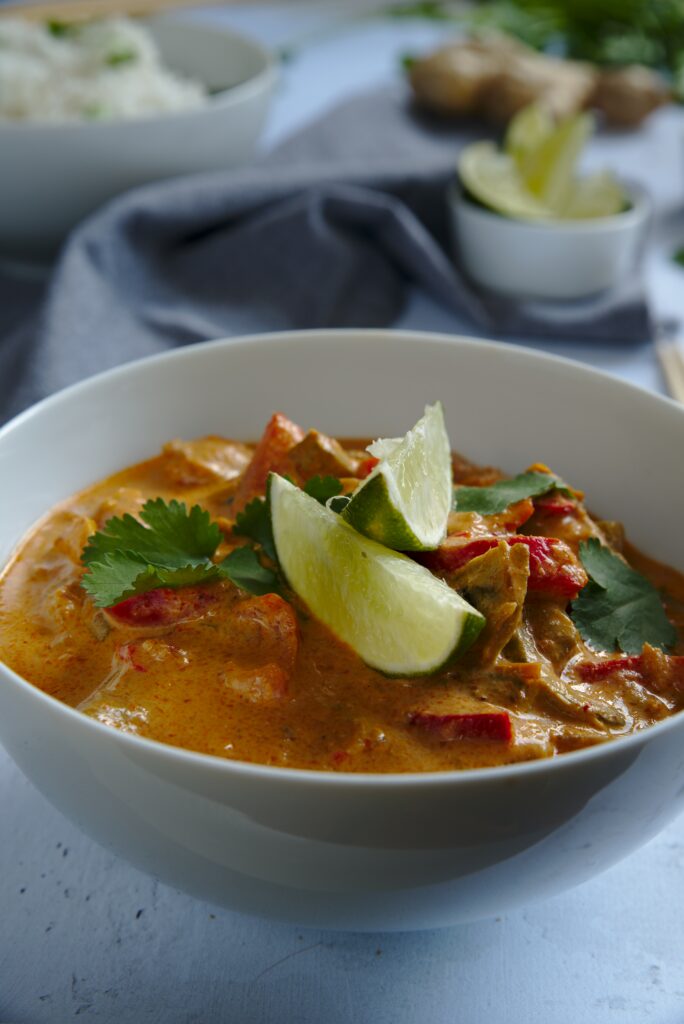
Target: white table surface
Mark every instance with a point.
(84, 935)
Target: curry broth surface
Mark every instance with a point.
(210, 684)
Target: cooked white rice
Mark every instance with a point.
(100, 70)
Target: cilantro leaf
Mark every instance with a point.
(173, 538)
(244, 569)
(170, 548)
(497, 498)
(255, 522)
(121, 574)
(619, 608)
(323, 487)
(115, 578)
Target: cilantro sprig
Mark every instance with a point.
(255, 519)
(255, 522)
(619, 608)
(323, 487)
(169, 547)
(499, 496)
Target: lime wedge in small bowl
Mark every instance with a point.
(597, 195)
(527, 131)
(397, 616)
(550, 168)
(534, 177)
(492, 178)
(405, 502)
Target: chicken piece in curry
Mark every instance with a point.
(256, 677)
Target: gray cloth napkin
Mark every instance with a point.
(332, 229)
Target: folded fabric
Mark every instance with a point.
(332, 229)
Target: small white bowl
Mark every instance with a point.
(552, 259)
(52, 175)
(327, 848)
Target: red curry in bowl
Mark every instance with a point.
(215, 669)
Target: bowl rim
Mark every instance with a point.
(307, 776)
(639, 211)
(223, 99)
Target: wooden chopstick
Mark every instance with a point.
(671, 357)
(86, 10)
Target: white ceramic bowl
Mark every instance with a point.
(329, 849)
(553, 259)
(52, 175)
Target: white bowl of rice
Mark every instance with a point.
(89, 111)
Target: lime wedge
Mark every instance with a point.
(527, 131)
(397, 616)
(599, 195)
(405, 502)
(493, 179)
(383, 447)
(534, 178)
(550, 169)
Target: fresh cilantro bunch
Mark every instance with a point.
(171, 547)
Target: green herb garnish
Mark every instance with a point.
(243, 568)
(606, 32)
(119, 57)
(678, 256)
(619, 608)
(60, 29)
(435, 10)
(255, 522)
(323, 487)
(499, 496)
(171, 547)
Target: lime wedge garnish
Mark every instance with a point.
(397, 616)
(493, 179)
(550, 169)
(405, 502)
(599, 195)
(527, 131)
(383, 447)
(534, 178)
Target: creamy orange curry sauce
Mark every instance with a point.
(257, 678)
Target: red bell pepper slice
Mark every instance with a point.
(517, 514)
(495, 725)
(667, 668)
(554, 570)
(366, 467)
(555, 505)
(270, 455)
(594, 671)
(163, 606)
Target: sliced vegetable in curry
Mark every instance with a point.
(179, 601)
